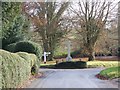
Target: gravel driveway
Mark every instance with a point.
(71, 78)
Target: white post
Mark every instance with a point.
(45, 57)
(69, 58)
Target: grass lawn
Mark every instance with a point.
(90, 64)
(93, 64)
(111, 73)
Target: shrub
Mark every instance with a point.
(16, 68)
(34, 63)
(79, 53)
(60, 55)
(13, 33)
(71, 65)
(76, 53)
(29, 47)
(10, 47)
(119, 51)
(0, 72)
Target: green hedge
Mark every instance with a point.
(71, 65)
(16, 68)
(10, 47)
(0, 72)
(28, 46)
(34, 63)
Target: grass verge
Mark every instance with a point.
(94, 64)
(109, 73)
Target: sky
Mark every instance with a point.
(53, 0)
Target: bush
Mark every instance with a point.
(71, 65)
(10, 47)
(13, 33)
(29, 47)
(0, 72)
(60, 55)
(16, 68)
(119, 51)
(76, 53)
(35, 63)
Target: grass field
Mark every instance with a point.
(111, 73)
(93, 64)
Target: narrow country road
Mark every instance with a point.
(71, 78)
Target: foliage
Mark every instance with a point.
(94, 64)
(71, 65)
(29, 47)
(34, 63)
(13, 33)
(91, 22)
(0, 72)
(60, 55)
(16, 68)
(111, 73)
(119, 51)
(48, 22)
(10, 47)
(12, 23)
(8, 17)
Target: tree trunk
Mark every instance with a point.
(91, 53)
(119, 28)
(50, 57)
(91, 56)
(51, 48)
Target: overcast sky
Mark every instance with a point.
(54, 0)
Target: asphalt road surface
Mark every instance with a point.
(71, 78)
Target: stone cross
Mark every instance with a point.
(69, 58)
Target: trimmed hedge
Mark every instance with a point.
(16, 68)
(29, 47)
(0, 72)
(34, 63)
(10, 47)
(71, 65)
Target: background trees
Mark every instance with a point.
(119, 27)
(50, 22)
(90, 21)
(47, 20)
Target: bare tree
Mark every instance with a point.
(119, 27)
(90, 21)
(47, 20)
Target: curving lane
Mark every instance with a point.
(71, 78)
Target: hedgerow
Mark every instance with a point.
(16, 68)
(0, 72)
(29, 47)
